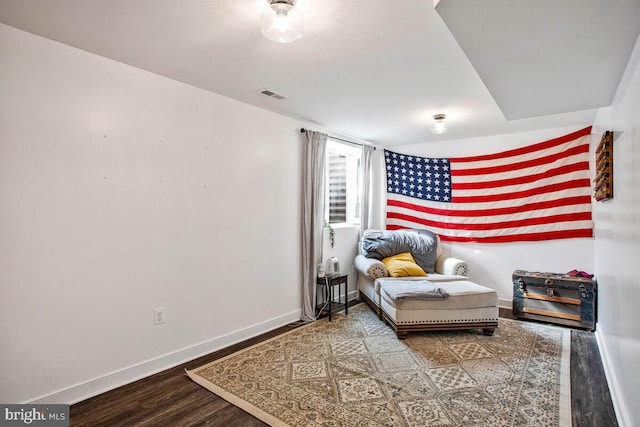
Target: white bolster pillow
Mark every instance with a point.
(370, 267)
(450, 265)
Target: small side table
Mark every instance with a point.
(330, 281)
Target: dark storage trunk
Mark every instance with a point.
(555, 298)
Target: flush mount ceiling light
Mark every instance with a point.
(439, 126)
(281, 22)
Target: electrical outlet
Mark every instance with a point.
(159, 315)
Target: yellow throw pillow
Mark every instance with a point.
(403, 265)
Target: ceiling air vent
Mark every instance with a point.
(272, 94)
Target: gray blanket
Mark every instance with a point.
(412, 289)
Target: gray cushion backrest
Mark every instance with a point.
(422, 244)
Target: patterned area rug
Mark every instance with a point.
(353, 371)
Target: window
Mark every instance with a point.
(343, 183)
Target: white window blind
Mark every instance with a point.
(343, 183)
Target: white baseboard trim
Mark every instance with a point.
(505, 303)
(609, 373)
(86, 389)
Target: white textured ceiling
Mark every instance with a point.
(375, 70)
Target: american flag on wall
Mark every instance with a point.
(537, 192)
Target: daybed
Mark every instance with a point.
(406, 279)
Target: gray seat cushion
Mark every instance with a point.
(463, 294)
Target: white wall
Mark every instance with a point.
(345, 249)
(492, 264)
(617, 248)
(122, 191)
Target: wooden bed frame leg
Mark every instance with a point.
(402, 334)
(488, 331)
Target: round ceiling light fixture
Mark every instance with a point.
(439, 126)
(282, 22)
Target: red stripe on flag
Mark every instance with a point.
(567, 201)
(521, 179)
(524, 237)
(584, 148)
(528, 149)
(574, 183)
(578, 216)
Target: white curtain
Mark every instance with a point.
(313, 196)
(367, 180)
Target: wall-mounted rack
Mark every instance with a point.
(603, 182)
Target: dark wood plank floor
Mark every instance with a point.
(589, 390)
(170, 398)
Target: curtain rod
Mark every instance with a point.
(303, 130)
